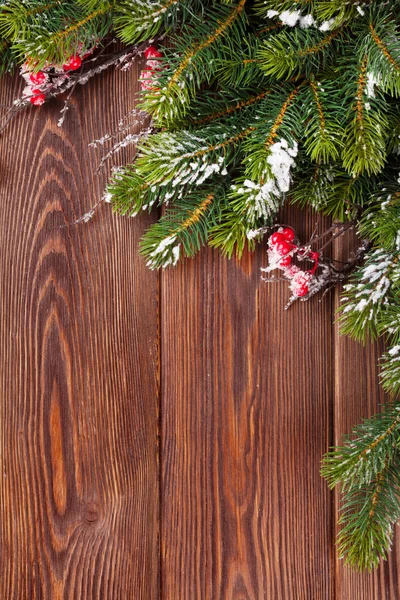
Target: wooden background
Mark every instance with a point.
(161, 433)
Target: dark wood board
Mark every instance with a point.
(79, 364)
(247, 398)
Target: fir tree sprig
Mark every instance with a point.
(373, 288)
(138, 21)
(183, 229)
(192, 63)
(367, 469)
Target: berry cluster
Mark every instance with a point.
(153, 64)
(282, 247)
(40, 83)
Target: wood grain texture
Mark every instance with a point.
(246, 416)
(358, 395)
(79, 364)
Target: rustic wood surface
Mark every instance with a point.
(79, 365)
(160, 434)
(246, 416)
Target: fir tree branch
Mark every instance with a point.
(281, 116)
(367, 519)
(364, 143)
(323, 136)
(369, 294)
(258, 146)
(59, 35)
(222, 26)
(138, 21)
(169, 100)
(14, 16)
(183, 229)
(383, 48)
(367, 470)
(231, 109)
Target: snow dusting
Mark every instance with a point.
(263, 199)
(372, 81)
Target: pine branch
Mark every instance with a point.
(182, 230)
(364, 142)
(232, 234)
(323, 136)
(138, 21)
(6, 59)
(367, 470)
(293, 53)
(16, 16)
(282, 120)
(56, 31)
(177, 85)
(384, 51)
(368, 517)
(225, 109)
(381, 221)
(369, 294)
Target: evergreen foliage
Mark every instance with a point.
(367, 468)
(255, 100)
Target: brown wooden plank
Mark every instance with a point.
(358, 395)
(246, 417)
(79, 351)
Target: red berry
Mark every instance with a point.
(152, 52)
(285, 262)
(288, 234)
(153, 64)
(37, 100)
(146, 79)
(73, 64)
(38, 78)
(276, 238)
(315, 257)
(302, 291)
(301, 278)
(291, 271)
(283, 247)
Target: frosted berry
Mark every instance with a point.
(38, 78)
(146, 79)
(285, 262)
(153, 64)
(152, 52)
(37, 100)
(276, 238)
(301, 278)
(288, 234)
(73, 64)
(302, 291)
(283, 247)
(291, 271)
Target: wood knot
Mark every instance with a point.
(92, 513)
